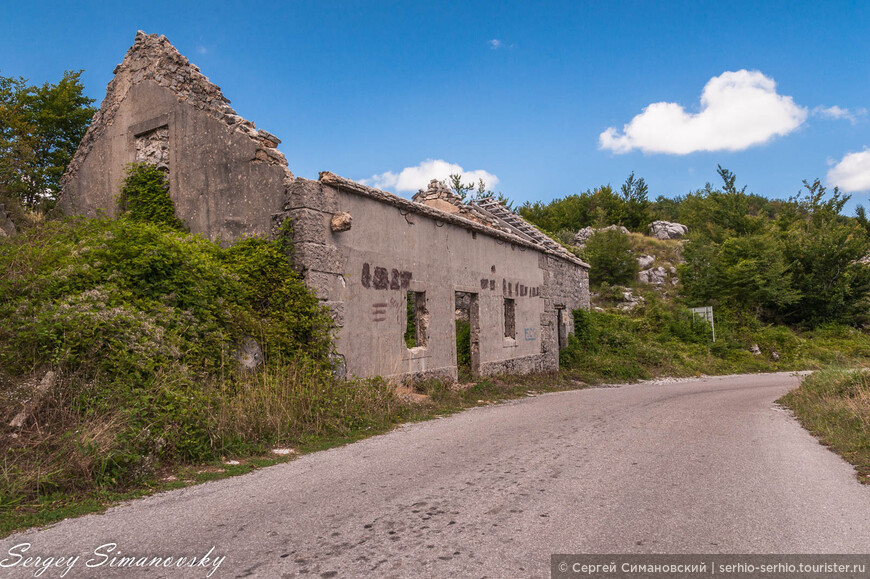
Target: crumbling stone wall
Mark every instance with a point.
(227, 177)
(153, 148)
(567, 288)
(361, 250)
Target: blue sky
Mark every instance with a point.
(545, 99)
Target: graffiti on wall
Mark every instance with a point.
(380, 278)
(518, 290)
(381, 310)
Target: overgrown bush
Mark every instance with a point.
(142, 324)
(661, 338)
(463, 349)
(145, 196)
(601, 207)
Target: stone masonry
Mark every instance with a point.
(153, 148)
(366, 253)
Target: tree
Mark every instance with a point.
(723, 213)
(40, 129)
(824, 248)
(801, 268)
(598, 208)
(454, 182)
(635, 211)
(745, 272)
(469, 192)
(609, 255)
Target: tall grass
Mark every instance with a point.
(834, 405)
(291, 402)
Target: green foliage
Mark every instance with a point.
(464, 190)
(749, 271)
(794, 262)
(471, 192)
(662, 339)
(142, 322)
(574, 212)
(585, 331)
(666, 209)
(824, 248)
(609, 254)
(597, 208)
(145, 196)
(141, 295)
(800, 268)
(718, 213)
(40, 129)
(634, 213)
(463, 349)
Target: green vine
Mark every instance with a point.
(145, 196)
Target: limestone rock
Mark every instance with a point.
(39, 392)
(582, 236)
(630, 301)
(7, 227)
(645, 261)
(341, 222)
(250, 354)
(667, 230)
(755, 349)
(653, 276)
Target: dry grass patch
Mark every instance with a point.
(834, 405)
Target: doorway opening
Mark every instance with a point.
(560, 328)
(467, 335)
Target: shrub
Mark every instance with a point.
(142, 323)
(609, 255)
(463, 346)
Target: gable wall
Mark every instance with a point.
(219, 186)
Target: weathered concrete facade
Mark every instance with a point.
(395, 246)
(365, 252)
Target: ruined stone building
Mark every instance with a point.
(368, 254)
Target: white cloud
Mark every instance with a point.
(411, 179)
(201, 49)
(852, 173)
(495, 44)
(838, 113)
(738, 110)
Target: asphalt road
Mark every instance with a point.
(702, 466)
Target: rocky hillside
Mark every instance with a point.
(656, 254)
